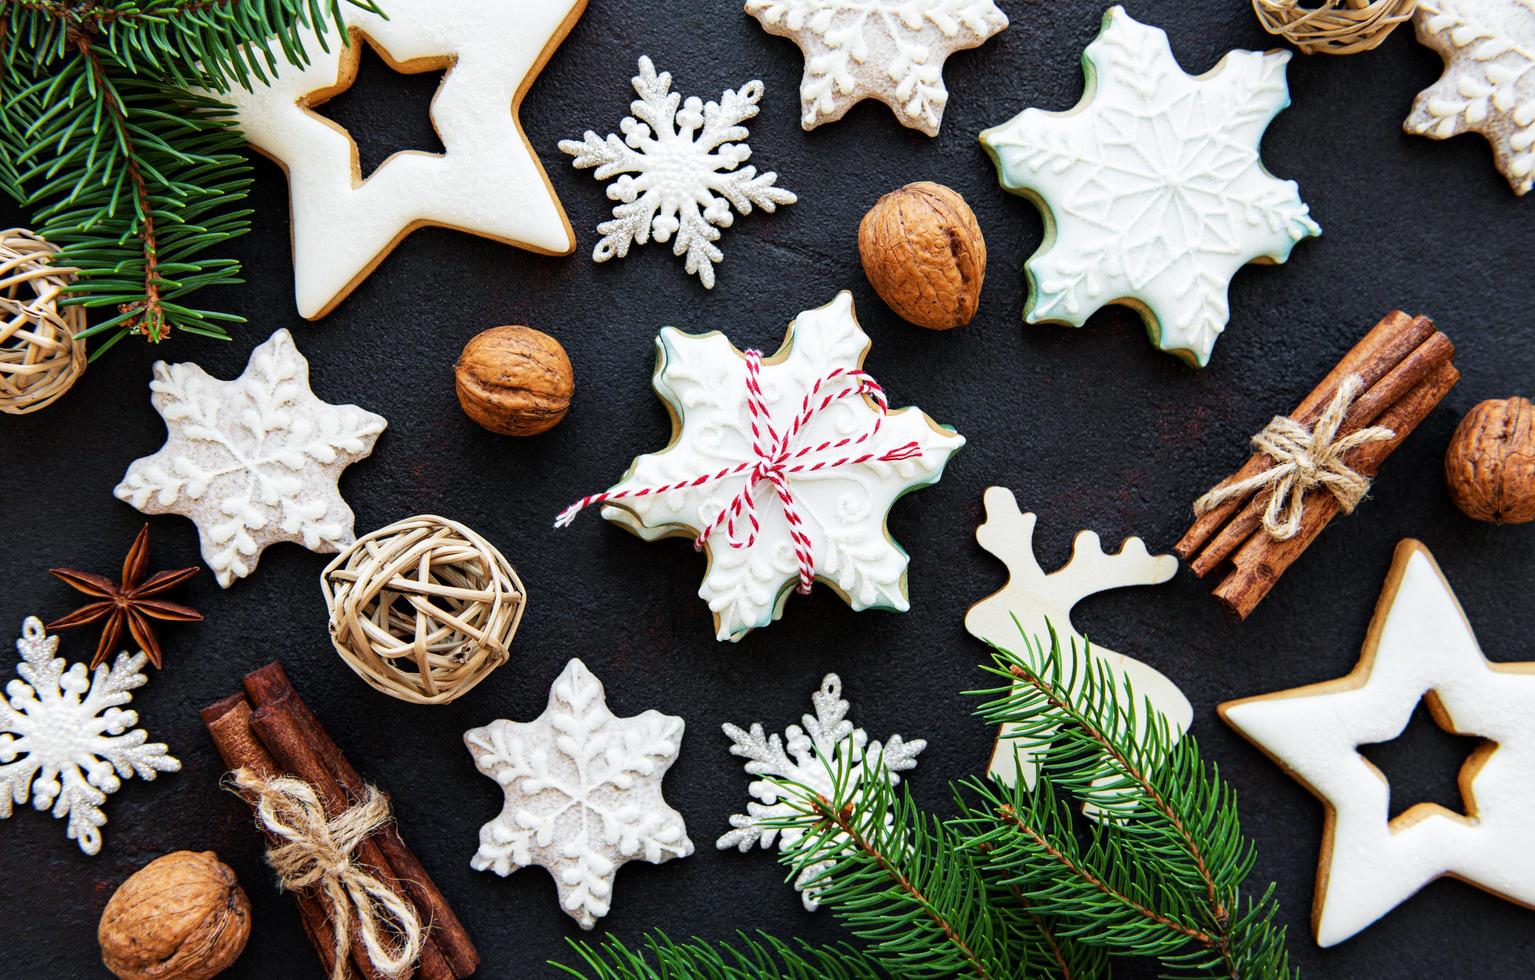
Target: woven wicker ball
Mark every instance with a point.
(1333, 26)
(423, 610)
(41, 353)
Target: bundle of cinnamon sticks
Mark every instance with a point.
(269, 730)
(1405, 366)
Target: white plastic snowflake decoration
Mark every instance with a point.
(252, 461)
(686, 168)
(1153, 186)
(583, 793)
(890, 50)
(1488, 85)
(807, 757)
(65, 743)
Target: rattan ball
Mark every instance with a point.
(423, 610)
(41, 353)
(1333, 26)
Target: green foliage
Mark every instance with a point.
(123, 165)
(749, 958)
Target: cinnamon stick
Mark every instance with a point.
(270, 686)
(1262, 560)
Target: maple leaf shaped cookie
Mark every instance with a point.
(1488, 85)
(890, 50)
(1153, 191)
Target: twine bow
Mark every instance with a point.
(318, 853)
(1303, 460)
(775, 459)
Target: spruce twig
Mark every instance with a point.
(747, 957)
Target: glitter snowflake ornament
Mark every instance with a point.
(808, 432)
(1152, 187)
(807, 757)
(1488, 85)
(890, 50)
(680, 171)
(583, 793)
(65, 741)
(252, 461)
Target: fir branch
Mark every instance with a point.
(762, 957)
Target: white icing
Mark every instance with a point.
(1422, 644)
(252, 461)
(1153, 188)
(703, 378)
(487, 181)
(890, 50)
(583, 793)
(1041, 601)
(1488, 85)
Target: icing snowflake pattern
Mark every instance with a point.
(65, 741)
(1153, 187)
(703, 378)
(806, 756)
(252, 461)
(583, 793)
(890, 50)
(679, 172)
(1488, 85)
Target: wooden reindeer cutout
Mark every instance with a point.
(1040, 601)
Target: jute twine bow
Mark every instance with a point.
(318, 853)
(1303, 460)
(1333, 26)
(775, 460)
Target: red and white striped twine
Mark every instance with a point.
(776, 460)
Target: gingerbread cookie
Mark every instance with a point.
(1419, 646)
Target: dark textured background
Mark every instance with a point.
(1092, 428)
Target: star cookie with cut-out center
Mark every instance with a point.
(486, 182)
(1420, 647)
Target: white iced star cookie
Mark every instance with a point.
(486, 182)
(253, 461)
(1488, 85)
(1420, 646)
(1152, 189)
(583, 793)
(783, 468)
(890, 50)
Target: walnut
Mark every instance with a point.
(514, 380)
(923, 252)
(1490, 465)
(180, 917)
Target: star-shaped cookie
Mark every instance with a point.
(1420, 647)
(583, 793)
(1488, 86)
(486, 182)
(1153, 191)
(252, 461)
(890, 50)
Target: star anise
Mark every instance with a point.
(130, 603)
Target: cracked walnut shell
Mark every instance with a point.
(180, 917)
(924, 254)
(514, 380)
(1490, 465)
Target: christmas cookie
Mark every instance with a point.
(890, 50)
(583, 793)
(1419, 647)
(1152, 188)
(486, 182)
(783, 468)
(1488, 85)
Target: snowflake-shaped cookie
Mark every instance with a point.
(252, 461)
(66, 751)
(843, 469)
(686, 168)
(1488, 85)
(806, 757)
(1153, 191)
(583, 793)
(890, 50)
